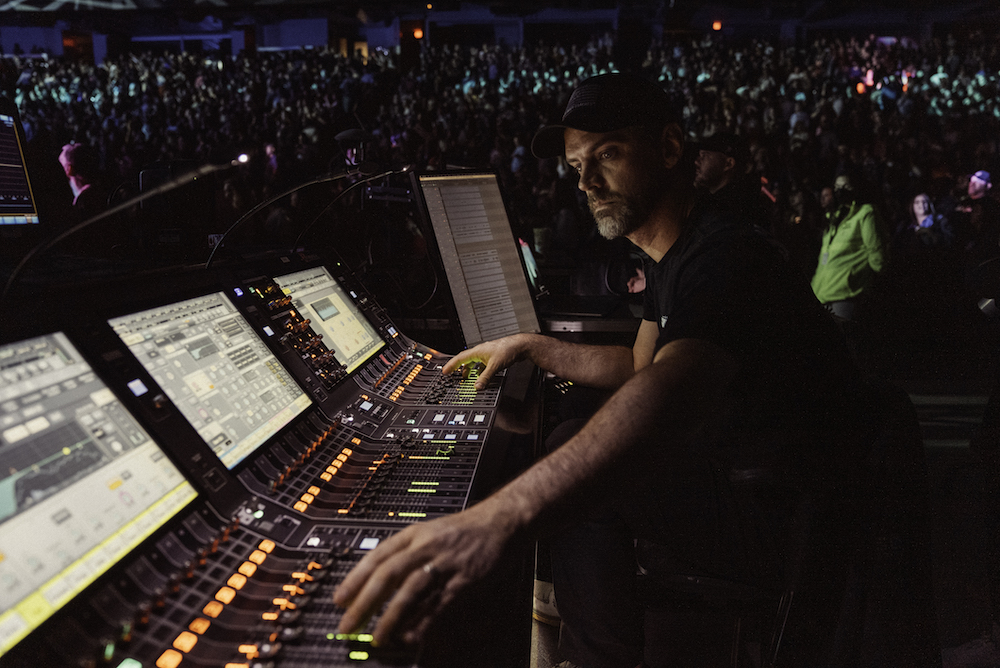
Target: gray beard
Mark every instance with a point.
(623, 217)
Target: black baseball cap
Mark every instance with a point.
(727, 143)
(605, 103)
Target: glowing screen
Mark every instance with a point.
(212, 365)
(81, 483)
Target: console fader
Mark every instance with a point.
(352, 433)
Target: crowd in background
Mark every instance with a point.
(904, 119)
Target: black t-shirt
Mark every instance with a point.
(727, 282)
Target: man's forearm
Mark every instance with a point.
(606, 367)
(658, 408)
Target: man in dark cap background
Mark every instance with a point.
(721, 170)
(735, 366)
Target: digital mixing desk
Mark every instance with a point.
(189, 465)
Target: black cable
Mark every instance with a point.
(326, 178)
(339, 196)
(141, 197)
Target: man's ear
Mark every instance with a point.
(672, 141)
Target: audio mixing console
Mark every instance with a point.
(187, 472)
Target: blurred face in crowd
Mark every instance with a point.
(977, 187)
(622, 173)
(921, 207)
(711, 170)
(826, 198)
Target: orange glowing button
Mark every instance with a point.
(267, 545)
(341, 458)
(356, 441)
(257, 557)
(199, 625)
(225, 595)
(300, 506)
(313, 490)
(343, 511)
(313, 566)
(236, 581)
(326, 476)
(308, 498)
(185, 642)
(293, 590)
(302, 577)
(212, 609)
(237, 665)
(250, 651)
(269, 616)
(169, 659)
(248, 568)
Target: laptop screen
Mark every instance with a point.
(481, 257)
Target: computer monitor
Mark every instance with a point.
(333, 315)
(218, 372)
(17, 203)
(481, 257)
(81, 482)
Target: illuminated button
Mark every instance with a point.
(450, 437)
(293, 589)
(236, 581)
(237, 665)
(308, 498)
(225, 595)
(355, 441)
(169, 659)
(199, 625)
(479, 418)
(438, 418)
(250, 651)
(313, 566)
(283, 603)
(313, 490)
(185, 642)
(327, 476)
(302, 577)
(472, 437)
(301, 506)
(257, 557)
(358, 655)
(269, 616)
(212, 609)
(460, 418)
(267, 545)
(341, 458)
(248, 568)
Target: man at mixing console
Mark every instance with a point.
(735, 366)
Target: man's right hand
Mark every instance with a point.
(495, 355)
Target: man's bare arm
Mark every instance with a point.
(423, 567)
(606, 367)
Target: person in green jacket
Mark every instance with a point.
(852, 252)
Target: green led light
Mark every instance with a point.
(129, 663)
(358, 656)
(259, 514)
(365, 637)
(109, 651)
(418, 482)
(331, 636)
(411, 514)
(421, 491)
